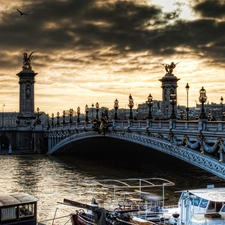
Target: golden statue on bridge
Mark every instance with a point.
(27, 61)
(169, 67)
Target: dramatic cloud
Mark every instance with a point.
(88, 51)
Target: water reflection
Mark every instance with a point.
(53, 178)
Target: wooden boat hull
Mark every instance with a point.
(82, 218)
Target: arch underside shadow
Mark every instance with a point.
(195, 158)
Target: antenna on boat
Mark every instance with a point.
(54, 216)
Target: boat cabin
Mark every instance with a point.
(206, 204)
(19, 209)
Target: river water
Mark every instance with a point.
(53, 178)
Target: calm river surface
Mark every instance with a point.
(53, 178)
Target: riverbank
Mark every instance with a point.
(16, 152)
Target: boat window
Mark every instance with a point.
(8, 213)
(196, 201)
(204, 203)
(184, 195)
(26, 210)
(222, 209)
(212, 205)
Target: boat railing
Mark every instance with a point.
(170, 206)
(116, 186)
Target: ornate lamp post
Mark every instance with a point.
(3, 105)
(116, 106)
(64, 114)
(173, 101)
(38, 121)
(48, 121)
(86, 111)
(131, 105)
(92, 109)
(221, 100)
(78, 114)
(52, 119)
(97, 109)
(222, 112)
(57, 118)
(202, 100)
(187, 109)
(149, 104)
(71, 113)
(38, 110)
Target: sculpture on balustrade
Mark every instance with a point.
(202, 144)
(102, 125)
(174, 140)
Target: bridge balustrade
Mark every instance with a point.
(160, 124)
(215, 126)
(192, 125)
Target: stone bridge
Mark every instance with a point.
(201, 143)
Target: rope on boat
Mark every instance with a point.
(68, 220)
(53, 219)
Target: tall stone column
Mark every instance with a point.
(169, 85)
(26, 101)
(29, 135)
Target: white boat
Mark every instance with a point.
(205, 206)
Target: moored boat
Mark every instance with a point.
(19, 209)
(201, 207)
(103, 218)
(137, 204)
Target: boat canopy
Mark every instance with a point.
(131, 183)
(211, 194)
(16, 199)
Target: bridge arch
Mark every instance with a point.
(188, 155)
(198, 159)
(55, 138)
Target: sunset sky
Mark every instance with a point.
(89, 51)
